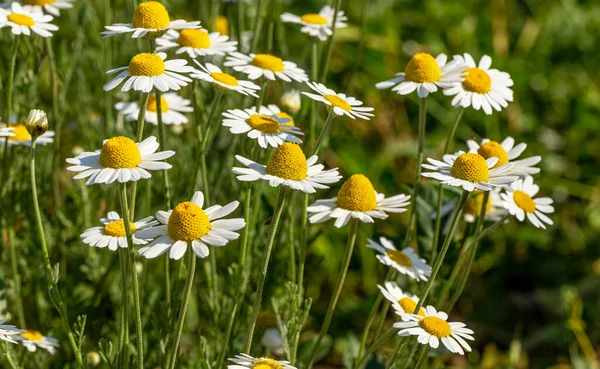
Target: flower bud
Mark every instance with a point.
(291, 101)
(93, 358)
(36, 123)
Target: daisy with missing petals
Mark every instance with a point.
(188, 225)
(357, 199)
(507, 152)
(339, 103)
(172, 107)
(34, 340)
(406, 261)
(120, 159)
(18, 136)
(244, 361)
(493, 209)
(288, 166)
(112, 233)
(318, 25)
(146, 71)
(265, 65)
(226, 82)
(24, 20)
(10, 333)
(50, 6)
(196, 42)
(402, 302)
(519, 201)
(150, 19)
(425, 74)
(433, 328)
(482, 87)
(268, 130)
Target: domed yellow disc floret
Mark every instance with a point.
(409, 305)
(357, 194)
(146, 64)
(491, 149)
(116, 228)
(188, 222)
(435, 326)
(32, 335)
(338, 101)
(21, 19)
(473, 205)
(269, 62)
(399, 257)
(286, 116)
(470, 167)
(195, 38)
(120, 152)
(20, 133)
(222, 25)
(37, 2)
(477, 80)
(524, 201)
(151, 15)
(263, 123)
(164, 105)
(225, 78)
(422, 68)
(313, 19)
(266, 363)
(288, 162)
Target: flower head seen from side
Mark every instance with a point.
(273, 109)
(25, 20)
(339, 103)
(288, 166)
(223, 81)
(433, 328)
(357, 199)
(36, 123)
(493, 209)
(244, 361)
(406, 261)
(34, 340)
(10, 333)
(265, 65)
(120, 159)
(50, 6)
(402, 302)
(19, 136)
(150, 19)
(507, 152)
(520, 201)
(425, 74)
(112, 232)
(482, 87)
(188, 225)
(172, 107)
(196, 42)
(147, 71)
(291, 101)
(318, 25)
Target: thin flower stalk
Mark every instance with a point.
(9, 97)
(56, 117)
(327, 57)
(423, 357)
(162, 142)
(140, 138)
(9, 357)
(124, 319)
(208, 124)
(325, 131)
(257, 28)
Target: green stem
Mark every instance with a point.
(16, 277)
(139, 137)
(377, 344)
(423, 357)
(396, 354)
(9, 358)
(240, 24)
(261, 96)
(312, 123)
(208, 124)
(124, 320)
(329, 48)
(303, 241)
(258, 21)
(163, 145)
(57, 120)
(11, 77)
(458, 266)
(325, 131)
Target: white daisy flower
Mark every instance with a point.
(34, 339)
(6, 131)
(267, 129)
(189, 225)
(357, 199)
(172, 107)
(273, 109)
(493, 209)
(10, 333)
(265, 65)
(318, 25)
(50, 6)
(470, 171)
(406, 261)
(482, 87)
(291, 101)
(112, 233)
(402, 302)
(196, 42)
(150, 19)
(120, 159)
(213, 74)
(519, 201)
(340, 103)
(507, 152)
(24, 19)
(425, 74)
(243, 361)
(18, 136)
(288, 166)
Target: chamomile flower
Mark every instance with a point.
(18, 136)
(244, 361)
(470, 171)
(291, 101)
(196, 42)
(267, 129)
(519, 201)
(50, 6)
(120, 159)
(288, 166)
(7, 131)
(433, 328)
(34, 340)
(339, 103)
(25, 19)
(402, 302)
(318, 25)
(406, 261)
(265, 65)
(146, 71)
(357, 199)
(226, 82)
(188, 225)
(493, 209)
(482, 87)
(172, 107)
(150, 19)
(425, 74)
(273, 109)
(10, 333)
(112, 232)
(507, 152)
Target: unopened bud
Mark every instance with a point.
(93, 358)
(291, 101)
(36, 123)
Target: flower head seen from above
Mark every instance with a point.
(482, 87)
(150, 19)
(10, 333)
(402, 302)
(172, 107)
(146, 71)
(288, 166)
(506, 152)
(265, 65)
(50, 6)
(196, 42)
(406, 261)
(291, 101)
(318, 25)
(112, 232)
(357, 199)
(273, 109)
(34, 340)
(120, 159)
(519, 201)
(433, 328)
(19, 136)
(339, 103)
(493, 208)
(188, 225)
(25, 19)
(244, 361)
(223, 81)
(425, 74)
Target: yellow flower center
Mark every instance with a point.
(524, 201)
(313, 19)
(263, 123)
(435, 326)
(409, 305)
(32, 335)
(399, 257)
(117, 228)
(225, 78)
(36, 2)
(338, 101)
(151, 15)
(222, 25)
(477, 81)
(146, 64)
(21, 19)
(357, 194)
(286, 116)
(269, 62)
(473, 205)
(120, 152)
(195, 38)
(470, 167)
(266, 363)
(422, 67)
(20, 133)
(188, 222)
(164, 105)
(288, 162)
(491, 149)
